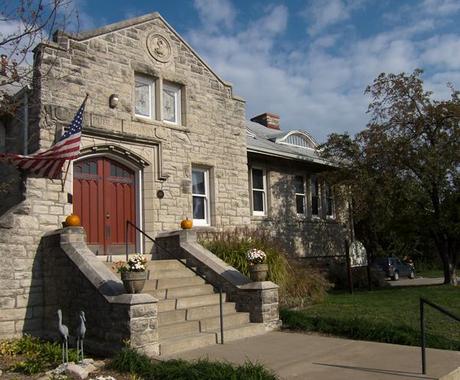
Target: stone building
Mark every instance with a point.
(164, 138)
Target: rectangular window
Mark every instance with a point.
(314, 189)
(171, 103)
(299, 184)
(329, 200)
(200, 195)
(259, 198)
(144, 97)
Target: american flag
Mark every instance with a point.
(49, 162)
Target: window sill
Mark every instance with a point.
(159, 123)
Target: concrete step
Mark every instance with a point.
(169, 283)
(157, 274)
(201, 300)
(192, 290)
(166, 305)
(230, 321)
(194, 313)
(184, 343)
(204, 311)
(186, 291)
(245, 331)
(183, 328)
(164, 264)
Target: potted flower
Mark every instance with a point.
(133, 273)
(258, 269)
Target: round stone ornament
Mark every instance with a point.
(159, 47)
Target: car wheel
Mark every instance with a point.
(412, 275)
(396, 276)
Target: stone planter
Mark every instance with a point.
(258, 272)
(133, 281)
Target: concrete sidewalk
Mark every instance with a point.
(304, 356)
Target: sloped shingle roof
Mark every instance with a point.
(261, 139)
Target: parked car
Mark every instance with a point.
(393, 267)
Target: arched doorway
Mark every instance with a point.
(104, 196)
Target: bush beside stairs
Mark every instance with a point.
(189, 309)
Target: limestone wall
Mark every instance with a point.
(21, 276)
(301, 235)
(212, 133)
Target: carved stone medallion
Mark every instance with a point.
(159, 47)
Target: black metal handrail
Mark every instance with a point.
(424, 301)
(183, 262)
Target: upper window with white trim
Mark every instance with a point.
(200, 195)
(259, 192)
(315, 196)
(329, 200)
(144, 97)
(171, 103)
(299, 185)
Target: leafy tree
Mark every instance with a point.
(404, 169)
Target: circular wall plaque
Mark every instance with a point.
(159, 47)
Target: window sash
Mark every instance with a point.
(200, 200)
(173, 92)
(299, 187)
(146, 110)
(329, 200)
(259, 193)
(315, 196)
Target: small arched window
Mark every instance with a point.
(298, 138)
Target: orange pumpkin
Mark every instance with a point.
(73, 220)
(186, 224)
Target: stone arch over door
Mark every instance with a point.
(106, 193)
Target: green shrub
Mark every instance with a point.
(38, 355)
(128, 360)
(299, 283)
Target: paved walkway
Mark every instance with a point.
(304, 356)
(418, 281)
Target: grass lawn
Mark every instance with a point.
(388, 315)
(431, 273)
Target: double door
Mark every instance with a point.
(104, 196)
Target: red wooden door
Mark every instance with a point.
(104, 198)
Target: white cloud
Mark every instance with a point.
(318, 85)
(215, 13)
(322, 14)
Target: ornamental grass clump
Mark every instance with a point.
(136, 263)
(299, 284)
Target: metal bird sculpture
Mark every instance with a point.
(81, 330)
(64, 331)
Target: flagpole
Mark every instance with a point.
(68, 165)
(65, 176)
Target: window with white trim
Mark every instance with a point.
(200, 196)
(315, 196)
(329, 200)
(259, 192)
(171, 103)
(144, 97)
(299, 185)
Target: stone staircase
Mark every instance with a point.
(189, 309)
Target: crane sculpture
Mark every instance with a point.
(64, 331)
(81, 330)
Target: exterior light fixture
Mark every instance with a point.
(113, 100)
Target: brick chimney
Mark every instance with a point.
(269, 120)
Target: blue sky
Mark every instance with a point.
(308, 60)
